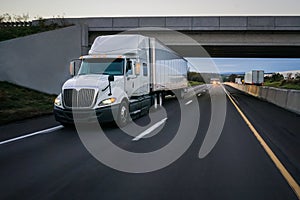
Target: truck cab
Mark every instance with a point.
(102, 90)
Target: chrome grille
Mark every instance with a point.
(70, 97)
(83, 98)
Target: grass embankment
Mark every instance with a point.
(285, 84)
(195, 83)
(19, 103)
(7, 33)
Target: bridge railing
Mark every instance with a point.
(15, 24)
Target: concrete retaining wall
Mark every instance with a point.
(252, 89)
(288, 99)
(271, 95)
(263, 92)
(281, 98)
(293, 100)
(40, 61)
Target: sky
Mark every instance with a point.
(121, 8)
(241, 65)
(105, 8)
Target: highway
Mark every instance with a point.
(57, 165)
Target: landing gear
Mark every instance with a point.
(158, 100)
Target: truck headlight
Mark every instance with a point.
(107, 101)
(57, 101)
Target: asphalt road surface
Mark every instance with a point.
(57, 165)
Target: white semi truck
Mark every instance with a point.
(254, 77)
(122, 76)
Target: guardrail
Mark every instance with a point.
(288, 99)
(15, 24)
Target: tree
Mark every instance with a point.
(6, 17)
(195, 76)
(276, 77)
(14, 18)
(232, 77)
(297, 76)
(289, 76)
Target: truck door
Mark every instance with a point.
(137, 78)
(142, 79)
(130, 78)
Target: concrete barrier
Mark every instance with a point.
(288, 99)
(253, 90)
(271, 95)
(281, 97)
(240, 86)
(263, 92)
(293, 101)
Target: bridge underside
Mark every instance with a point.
(238, 44)
(239, 51)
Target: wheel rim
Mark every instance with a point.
(123, 114)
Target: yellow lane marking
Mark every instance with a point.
(291, 181)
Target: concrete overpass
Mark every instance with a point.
(240, 36)
(41, 61)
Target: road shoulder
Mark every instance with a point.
(27, 126)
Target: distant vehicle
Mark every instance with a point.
(123, 74)
(214, 81)
(238, 80)
(254, 77)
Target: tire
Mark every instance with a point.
(123, 114)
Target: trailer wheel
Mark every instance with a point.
(123, 114)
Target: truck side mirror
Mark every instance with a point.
(72, 68)
(111, 78)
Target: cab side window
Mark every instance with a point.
(129, 68)
(145, 69)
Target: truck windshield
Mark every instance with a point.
(109, 66)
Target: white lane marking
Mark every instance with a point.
(187, 103)
(234, 99)
(150, 129)
(230, 95)
(32, 134)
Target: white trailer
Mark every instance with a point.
(122, 75)
(254, 77)
(238, 80)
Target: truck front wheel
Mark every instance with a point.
(123, 114)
